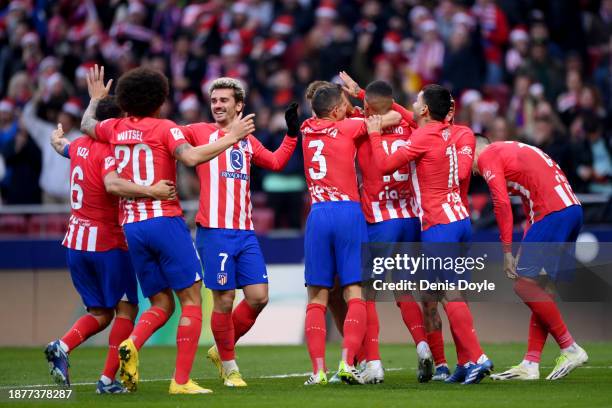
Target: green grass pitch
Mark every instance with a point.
(274, 375)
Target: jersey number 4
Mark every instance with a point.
(124, 155)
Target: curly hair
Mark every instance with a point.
(108, 108)
(313, 87)
(141, 91)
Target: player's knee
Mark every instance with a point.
(163, 300)
(103, 315)
(223, 301)
(258, 303)
(127, 310)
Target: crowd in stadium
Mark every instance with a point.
(530, 70)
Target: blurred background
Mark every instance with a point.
(530, 70)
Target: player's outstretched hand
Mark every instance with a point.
(350, 85)
(163, 190)
(242, 127)
(510, 266)
(374, 124)
(95, 83)
(292, 120)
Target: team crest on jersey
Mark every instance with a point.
(488, 175)
(244, 143)
(108, 162)
(222, 278)
(237, 159)
(446, 134)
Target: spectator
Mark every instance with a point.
(55, 175)
(494, 34)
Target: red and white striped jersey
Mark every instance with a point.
(94, 220)
(144, 150)
(431, 153)
(520, 169)
(329, 158)
(466, 145)
(386, 196)
(225, 192)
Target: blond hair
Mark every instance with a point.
(229, 83)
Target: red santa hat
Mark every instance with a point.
(72, 107)
(229, 49)
(53, 79)
(391, 42)
(519, 33)
(274, 47)
(283, 25)
(327, 9)
(30, 38)
(470, 96)
(83, 69)
(189, 102)
(7, 105)
(47, 63)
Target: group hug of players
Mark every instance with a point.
(126, 226)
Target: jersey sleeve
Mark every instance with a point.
(104, 130)
(106, 160)
(493, 173)
(189, 133)
(414, 148)
(275, 160)
(173, 137)
(465, 153)
(406, 114)
(354, 127)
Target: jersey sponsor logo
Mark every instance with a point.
(333, 132)
(222, 278)
(236, 159)
(83, 152)
(235, 175)
(109, 162)
(467, 150)
(177, 134)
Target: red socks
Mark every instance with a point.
(315, 331)
(462, 327)
(436, 344)
(120, 331)
(82, 329)
(413, 319)
(223, 330)
(149, 322)
(370, 340)
(546, 310)
(354, 329)
(536, 340)
(244, 317)
(187, 337)
(463, 354)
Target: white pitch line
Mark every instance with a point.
(277, 376)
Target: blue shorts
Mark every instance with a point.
(163, 254)
(557, 260)
(232, 258)
(455, 234)
(103, 278)
(396, 230)
(335, 232)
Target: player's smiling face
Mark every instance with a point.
(224, 106)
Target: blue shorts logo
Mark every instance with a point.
(237, 159)
(222, 278)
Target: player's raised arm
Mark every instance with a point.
(278, 159)
(388, 163)
(97, 91)
(162, 190)
(192, 156)
(60, 144)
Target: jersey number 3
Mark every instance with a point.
(317, 158)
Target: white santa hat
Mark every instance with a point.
(53, 79)
(428, 26)
(136, 7)
(189, 102)
(240, 8)
(48, 62)
(464, 19)
(418, 12)
(230, 48)
(518, 34)
(30, 38)
(72, 107)
(282, 25)
(469, 97)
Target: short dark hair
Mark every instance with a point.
(108, 108)
(379, 88)
(325, 99)
(141, 91)
(438, 99)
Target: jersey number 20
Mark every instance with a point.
(145, 179)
